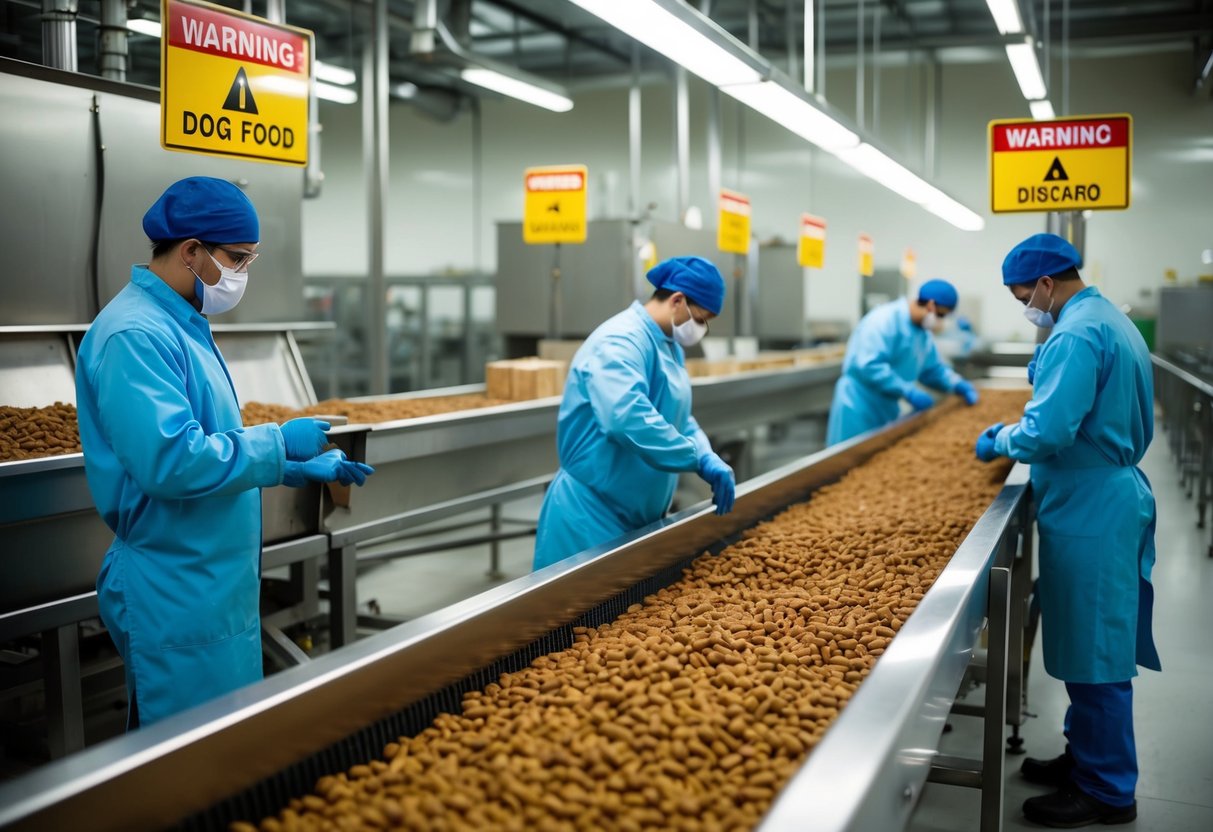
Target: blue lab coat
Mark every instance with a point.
(886, 354)
(1087, 426)
(625, 430)
(176, 476)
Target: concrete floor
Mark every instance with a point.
(1173, 712)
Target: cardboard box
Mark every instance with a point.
(521, 379)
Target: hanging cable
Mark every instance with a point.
(98, 201)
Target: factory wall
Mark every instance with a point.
(430, 210)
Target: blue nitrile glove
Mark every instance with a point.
(918, 399)
(985, 443)
(967, 392)
(304, 437)
(717, 474)
(1032, 364)
(330, 466)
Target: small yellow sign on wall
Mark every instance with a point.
(1069, 164)
(233, 85)
(554, 204)
(867, 265)
(733, 225)
(909, 264)
(811, 247)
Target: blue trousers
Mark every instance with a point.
(1099, 727)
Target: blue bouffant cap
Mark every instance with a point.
(695, 277)
(1038, 256)
(205, 208)
(940, 291)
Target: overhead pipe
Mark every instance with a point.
(682, 141)
(634, 133)
(425, 25)
(810, 68)
(275, 11)
(375, 164)
(112, 51)
(59, 34)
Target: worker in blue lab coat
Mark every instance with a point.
(625, 428)
(173, 471)
(1087, 426)
(888, 352)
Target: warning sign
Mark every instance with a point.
(733, 225)
(811, 247)
(1061, 165)
(554, 206)
(909, 264)
(233, 85)
(867, 265)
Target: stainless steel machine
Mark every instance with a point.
(246, 754)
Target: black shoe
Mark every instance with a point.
(1071, 807)
(1055, 772)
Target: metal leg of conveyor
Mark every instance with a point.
(1017, 652)
(343, 597)
(495, 546)
(64, 705)
(987, 773)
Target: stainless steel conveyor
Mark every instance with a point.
(245, 754)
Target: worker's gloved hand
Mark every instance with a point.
(304, 437)
(1032, 364)
(330, 466)
(967, 392)
(985, 443)
(918, 399)
(717, 474)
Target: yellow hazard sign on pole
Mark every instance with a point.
(867, 266)
(554, 204)
(811, 245)
(1068, 164)
(733, 223)
(909, 264)
(233, 85)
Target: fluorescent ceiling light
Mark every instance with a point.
(151, 28)
(1027, 71)
(793, 112)
(517, 88)
(1042, 109)
(334, 74)
(1006, 16)
(874, 164)
(666, 33)
(948, 209)
(341, 95)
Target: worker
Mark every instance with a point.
(1084, 431)
(888, 352)
(172, 470)
(625, 428)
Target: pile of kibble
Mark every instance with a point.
(691, 710)
(386, 410)
(32, 432)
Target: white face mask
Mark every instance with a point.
(690, 332)
(931, 322)
(1039, 317)
(224, 295)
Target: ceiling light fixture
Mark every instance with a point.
(517, 88)
(340, 95)
(334, 74)
(151, 28)
(1042, 110)
(876, 165)
(793, 111)
(1006, 16)
(1027, 70)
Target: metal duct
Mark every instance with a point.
(59, 34)
(425, 21)
(111, 60)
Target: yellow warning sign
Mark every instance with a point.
(733, 224)
(233, 85)
(554, 206)
(1070, 164)
(867, 266)
(909, 264)
(811, 246)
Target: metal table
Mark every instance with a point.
(265, 741)
(1187, 417)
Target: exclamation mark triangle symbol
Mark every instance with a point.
(240, 96)
(1056, 172)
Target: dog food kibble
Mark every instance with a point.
(257, 413)
(691, 710)
(31, 432)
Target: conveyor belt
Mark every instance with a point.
(342, 708)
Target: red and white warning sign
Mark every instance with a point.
(1070, 164)
(233, 85)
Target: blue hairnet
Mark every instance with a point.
(1038, 256)
(940, 291)
(205, 208)
(695, 277)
